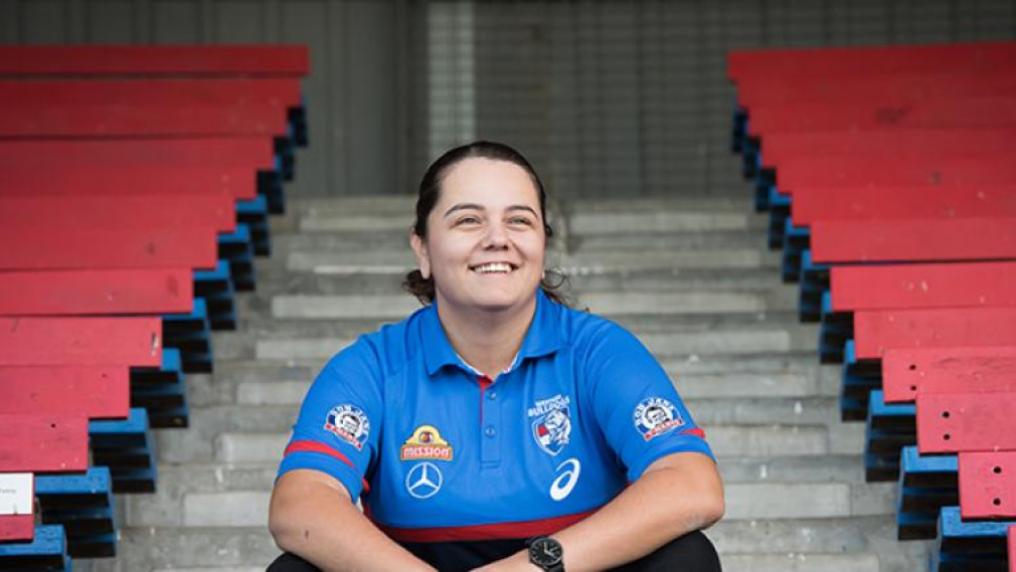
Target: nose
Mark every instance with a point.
(496, 238)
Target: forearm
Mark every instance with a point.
(326, 529)
(647, 515)
(678, 496)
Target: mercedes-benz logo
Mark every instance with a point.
(424, 480)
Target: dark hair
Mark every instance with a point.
(430, 192)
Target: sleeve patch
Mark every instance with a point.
(655, 416)
(349, 423)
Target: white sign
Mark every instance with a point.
(16, 493)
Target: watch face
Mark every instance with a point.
(545, 552)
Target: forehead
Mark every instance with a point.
(488, 182)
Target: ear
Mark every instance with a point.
(422, 256)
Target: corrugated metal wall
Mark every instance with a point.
(618, 97)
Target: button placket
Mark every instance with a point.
(490, 440)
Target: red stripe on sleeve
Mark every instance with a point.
(315, 447)
(696, 432)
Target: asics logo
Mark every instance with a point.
(566, 481)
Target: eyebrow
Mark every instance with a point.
(474, 206)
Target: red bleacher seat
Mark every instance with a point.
(914, 240)
(861, 60)
(878, 330)
(883, 202)
(213, 210)
(30, 120)
(43, 443)
(996, 111)
(78, 249)
(239, 182)
(779, 148)
(155, 61)
(95, 392)
(135, 341)
(903, 86)
(902, 286)
(278, 93)
(897, 169)
(251, 153)
(17, 527)
(97, 292)
(954, 422)
(905, 371)
(987, 484)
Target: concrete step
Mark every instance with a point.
(667, 335)
(252, 446)
(798, 562)
(844, 468)
(240, 508)
(655, 241)
(351, 205)
(730, 202)
(399, 261)
(648, 258)
(147, 549)
(397, 306)
(273, 280)
(807, 500)
(233, 494)
(258, 409)
(794, 542)
(664, 221)
(277, 383)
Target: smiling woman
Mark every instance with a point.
(495, 427)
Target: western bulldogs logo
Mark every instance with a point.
(655, 416)
(552, 423)
(349, 423)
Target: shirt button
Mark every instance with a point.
(491, 395)
(489, 431)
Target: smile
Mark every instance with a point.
(494, 268)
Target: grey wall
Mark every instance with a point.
(630, 97)
(618, 97)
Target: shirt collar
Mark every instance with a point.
(542, 338)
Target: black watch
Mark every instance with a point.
(546, 553)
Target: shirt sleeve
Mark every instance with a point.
(338, 429)
(635, 403)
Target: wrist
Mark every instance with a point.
(546, 554)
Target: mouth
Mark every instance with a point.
(494, 268)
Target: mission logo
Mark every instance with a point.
(426, 443)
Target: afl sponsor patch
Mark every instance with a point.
(655, 416)
(426, 443)
(349, 423)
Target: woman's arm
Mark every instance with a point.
(677, 494)
(312, 516)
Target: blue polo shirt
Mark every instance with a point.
(438, 452)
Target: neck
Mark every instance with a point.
(488, 341)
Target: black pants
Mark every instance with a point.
(692, 552)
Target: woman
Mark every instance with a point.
(494, 427)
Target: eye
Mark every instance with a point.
(467, 220)
(520, 220)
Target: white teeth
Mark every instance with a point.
(494, 267)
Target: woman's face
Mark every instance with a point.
(486, 243)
